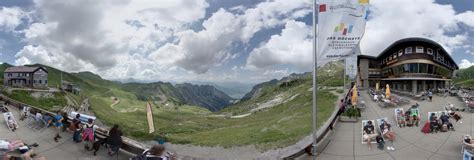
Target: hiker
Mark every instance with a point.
(88, 134)
(114, 140)
(12, 123)
(369, 133)
(65, 122)
(430, 95)
(76, 127)
(58, 123)
(445, 121)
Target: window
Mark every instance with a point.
(394, 55)
(45, 81)
(34, 81)
(429, 51)
(423, 68)
(430, 69)
(419, 49)
(408, 50)
(389, 58)
(9, 74)
(400, 52)
(39, 81)
(414, 68)
(27, 74)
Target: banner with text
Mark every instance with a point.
(341, 25)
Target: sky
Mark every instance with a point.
(244, 41)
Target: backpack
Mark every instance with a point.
(444, 128)
(380, 142)
(426, 128)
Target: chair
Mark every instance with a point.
(9, 114)
(364, 122)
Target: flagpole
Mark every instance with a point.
(315, 66)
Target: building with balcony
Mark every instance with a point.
(408, 65)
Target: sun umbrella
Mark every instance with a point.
(354, 96)
(387, 91)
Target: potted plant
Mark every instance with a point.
(351, 114)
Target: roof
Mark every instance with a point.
(23, 69)
(412, 39)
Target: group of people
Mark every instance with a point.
(86, 132)
(369, 133)
(441, 123)
(408, 118)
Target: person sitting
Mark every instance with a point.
(23, 115)
(456, 116)
(445, 121)
(48, 119)
(434, 124)
(386, 129)
(401, 119)
(369, 133)
(12, 123)
(408, 119)
(414, 114)
(469, 141)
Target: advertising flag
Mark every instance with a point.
(341, 25)
(149, 116)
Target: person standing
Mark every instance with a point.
(76, 127)
(430, 95)
(58, 123)
(114, 140)
(88, 134)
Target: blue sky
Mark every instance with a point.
(244, 41)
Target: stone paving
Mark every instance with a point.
(62, 150)
(410, 142)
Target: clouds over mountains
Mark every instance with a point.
(176, 40)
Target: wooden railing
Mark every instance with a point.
(129, 145)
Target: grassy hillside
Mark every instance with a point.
(270, 127)
(465, 77)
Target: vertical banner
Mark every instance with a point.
(341, 25)
(351, 66)
(149, 116)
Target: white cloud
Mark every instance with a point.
(392, 21)
(292, 46)
(465, 63)
(10, 18)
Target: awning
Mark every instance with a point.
(415, 78)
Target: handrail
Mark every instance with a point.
(328, 126)
(128, 144)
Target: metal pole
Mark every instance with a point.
(344, 77)
(315, 66)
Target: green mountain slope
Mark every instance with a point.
(464, 77)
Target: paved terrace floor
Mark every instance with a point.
(64, 149)
(410, 142)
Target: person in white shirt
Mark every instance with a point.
(11, 145)
(376, 97)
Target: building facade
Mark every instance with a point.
(32, 77)
(408, 65)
